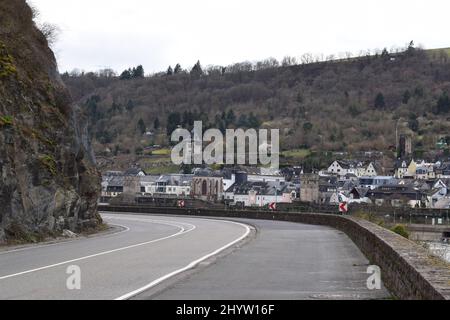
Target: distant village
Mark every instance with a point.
(412, 183)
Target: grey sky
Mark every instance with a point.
(118, 34)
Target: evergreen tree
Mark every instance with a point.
(413, 123)
(126, 75)
(138, 72)
(169, 71)
(307, 126)
(242, 122)
(443, 104)
(173, 121)
(406, 97)
(130, 105)
(385, 54)
(197, 71)
(141, 126)
(411, 47)
(231, 117)
(379, 101)
(253, 121)
(187, 119)
(177, 69)
(156, 124)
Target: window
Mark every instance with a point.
(204, 188)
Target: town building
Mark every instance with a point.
(357, 168)
(309, 188)
(207, 185)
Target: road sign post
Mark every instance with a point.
(343, 207)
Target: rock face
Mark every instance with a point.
(49, 181)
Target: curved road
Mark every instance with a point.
(148, 259)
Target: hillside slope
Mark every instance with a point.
(347, 105)
(49, 180)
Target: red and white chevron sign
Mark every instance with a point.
(343, 207)
(181, 204)
(273, 206)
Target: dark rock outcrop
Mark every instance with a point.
(49, 181)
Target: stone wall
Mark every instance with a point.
(408, 270)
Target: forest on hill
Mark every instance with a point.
(349, 104)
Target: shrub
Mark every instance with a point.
(50, 163)
(6, 120)
(7, 66)
(401, 230)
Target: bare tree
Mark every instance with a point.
(330, 57)
(106, 73)
(289, 61)
(307, 58)
(34, 11)
(50, 32)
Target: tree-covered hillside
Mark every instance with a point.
(350, 104)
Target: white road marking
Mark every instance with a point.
(191, 265)
(182, 231)
(64, 241)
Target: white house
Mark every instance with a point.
(401, 169)
(260, 194)
(375, 181)
(358, 168)
(425, 170)
(436, 194)
(370, 170)
(177, 185)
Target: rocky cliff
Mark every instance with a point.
(48, 177)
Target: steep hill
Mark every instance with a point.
(49, 180)
(353, 104)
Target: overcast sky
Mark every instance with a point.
(115, 33)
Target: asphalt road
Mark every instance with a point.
(164, 257)
(114, 266)
(285, 261)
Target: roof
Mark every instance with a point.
(445, 181)
(361, 191)
(148, 179)
(348, 185)
(395, 191)
(261, 188)
(133, 171)
(347, 164)
(207, 172)
(112, 173)
(115, 181)
(443, 166)
(401, 163)
(433, 191)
